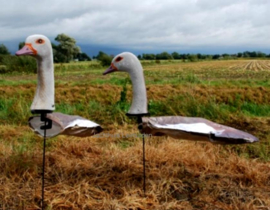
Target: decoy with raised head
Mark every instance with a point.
(188, 128)
(49, 123)
(40, 47)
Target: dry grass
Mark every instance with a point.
(252, 65)
(99, 173)
(106, 172)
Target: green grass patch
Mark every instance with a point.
(253, 109)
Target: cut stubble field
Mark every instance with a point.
(105, 172)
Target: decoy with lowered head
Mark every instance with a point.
(188, 128)
(39, 46)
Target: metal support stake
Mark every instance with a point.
(139, 120)
(47, 125)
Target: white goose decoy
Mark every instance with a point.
(40, 47)
(188, 128)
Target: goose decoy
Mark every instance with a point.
(49, 123)
(40, 47)
(188, 128)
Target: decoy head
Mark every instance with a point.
(126, 62)
(40, 47)
(129, 63)
(36, 45)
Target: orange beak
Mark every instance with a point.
(26, 50)
(111, 69)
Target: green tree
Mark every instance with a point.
(216, 56)
(100, 55)
(200, 56)
(4, 50)
(67, 49)
(246, 54)
(208, 57)
(184, 56)
(164, 56)
(239, 55)
(192, 57)
(261, 54)
(176, 55)
(226, 56)
(104, 58)
(83, 57)
(149, 56)
(253, 54)
(21, 44)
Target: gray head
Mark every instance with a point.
(36, 45)
(128, 62)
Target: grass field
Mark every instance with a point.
(105, 172)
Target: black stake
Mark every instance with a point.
(43, 168)
(139, 120)
(47, 125)
(144, 173)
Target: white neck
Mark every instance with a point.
(139, 100)
(44, 97)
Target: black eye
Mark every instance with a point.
(119, 58)
(40, 41)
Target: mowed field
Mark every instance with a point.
(105, 171)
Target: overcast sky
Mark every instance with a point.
(205, 26)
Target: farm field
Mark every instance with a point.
(105, 171)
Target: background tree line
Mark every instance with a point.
(199, 56)
(66, 50)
